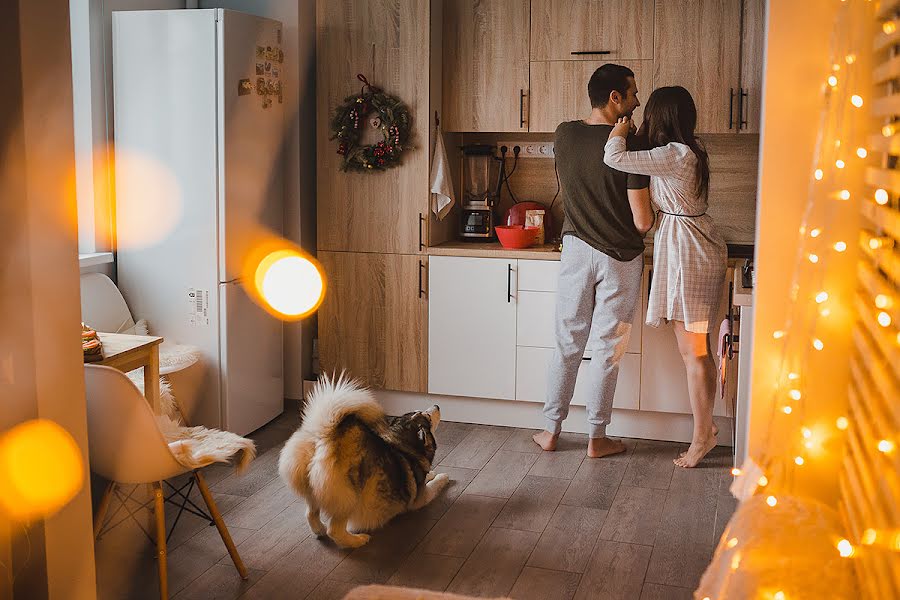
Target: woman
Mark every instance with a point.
(689, 254)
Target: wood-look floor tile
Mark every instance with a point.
(520, 441)
(476, 449)
(427, 571)
(532, 505)
(387, 549)
(655, 591)
(685, 541)
(596, 483)
(299, 572)
(194, 557)
(495, 564)
(280, 535)
(459, 480)
(448, 436)
(259, 473)
(725, 507)
(458, 531)
(566, 543)
(542, 584)
(219, 582)
(331, 589)
(502, 474)
(616, 572)
(651, 464)
(261, 507)
(564, 462)
(635, 515)
(189, 524)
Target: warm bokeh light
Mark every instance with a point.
(840, 164)
(883, 301)
(862, 152)
(889, 27)
(813, 258)
(815, 232)
(778, 334)
(842, 423)
(41, 469)
(832, 81)
(795, 394)
(821, 297)
(885, 446)
(884, 319)
(762, 481)
(844, 194)
(819, 174)
(735, 471)
(840, 246)
(881, 196)
(887, 130)
(869, 537)
(787, 410)
(771, 500)
(818, 344)
(793, 376)
(799, 461)
(149, 200)
(290, 283)
(845, 548)
(732, 543)
(856, 100)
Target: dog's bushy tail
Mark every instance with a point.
(333, 399)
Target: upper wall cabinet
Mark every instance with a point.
(559, 90)
(752, 41)
(591, 30)
(389, 42)
(485, 54)
(698, 46)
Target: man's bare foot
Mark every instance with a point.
(715, 431)
(696, 452)
(546, 440)
(600, 447)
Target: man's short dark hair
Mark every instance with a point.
(605, 79)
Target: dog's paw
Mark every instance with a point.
(440, 481)
(319, 529)
(430, 476)
(353, 540)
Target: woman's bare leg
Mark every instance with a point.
(701, 379)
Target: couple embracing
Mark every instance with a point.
(616, 185)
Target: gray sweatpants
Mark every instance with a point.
(596, 295)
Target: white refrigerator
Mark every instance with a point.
(198, 180)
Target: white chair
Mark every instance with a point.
(104, 308)
(127, 447)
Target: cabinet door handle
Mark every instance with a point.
(508, 283)
(649, 284)
(421, 235)
(421, 268)
(730, 108)
(742, 122)
(590, 52)
(521, 108)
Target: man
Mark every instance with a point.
(607, 214)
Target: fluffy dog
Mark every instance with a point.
(358, 466)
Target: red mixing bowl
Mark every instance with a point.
(517, 236)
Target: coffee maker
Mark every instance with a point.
(480, 197)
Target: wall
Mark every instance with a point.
(299, 20)
(41, 373)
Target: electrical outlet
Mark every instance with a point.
(529, 149)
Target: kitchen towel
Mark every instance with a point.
(724, 334)
(441, 182)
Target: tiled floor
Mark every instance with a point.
(514, 522)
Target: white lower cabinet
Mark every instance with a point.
(472, 327)
(531, 378)
(663, 376)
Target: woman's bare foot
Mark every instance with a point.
(696, 452)
(715, 430)
(546, 440)
(604, 446)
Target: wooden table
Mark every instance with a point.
(128, 352)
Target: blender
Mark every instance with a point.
(480, 169)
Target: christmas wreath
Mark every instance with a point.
(372, 108)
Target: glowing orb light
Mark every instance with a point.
(291, 283)
(41, 469)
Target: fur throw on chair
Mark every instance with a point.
(196, 447)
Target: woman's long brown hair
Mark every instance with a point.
(671, 116)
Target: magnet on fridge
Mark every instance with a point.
(268, 66)
(280, 55)
(275, 73)
(267, 102)
(244, 87)
(260, 69)
(278, 34)
(260, 52)
(260, 86)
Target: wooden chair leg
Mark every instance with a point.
(161, 541)
(220, 525)
(103, 507)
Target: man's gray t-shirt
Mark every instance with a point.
(595, 197)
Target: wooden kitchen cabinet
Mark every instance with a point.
(559, 90)
(389, 42)
(593, 30)
(472, 327)
(374, 317)
(485, 52)
(698, 46)
(663, 376)
(753, 25)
